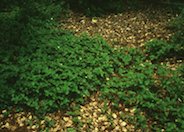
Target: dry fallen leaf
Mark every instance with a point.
(123, 124)
(114, 115)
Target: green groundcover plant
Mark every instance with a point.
(150, 87)
(49, 68)
(55, 69)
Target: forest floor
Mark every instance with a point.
(132, 28)
(129, 28)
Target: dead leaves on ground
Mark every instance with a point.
(127, 28)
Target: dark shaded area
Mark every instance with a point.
(99, 7)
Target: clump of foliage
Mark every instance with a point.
(178, 39)
(24, 26)
(151, 87)
(158, 49)
(48, 68)
(17, 15)
(54, 70)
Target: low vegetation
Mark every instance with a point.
(44, 68)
